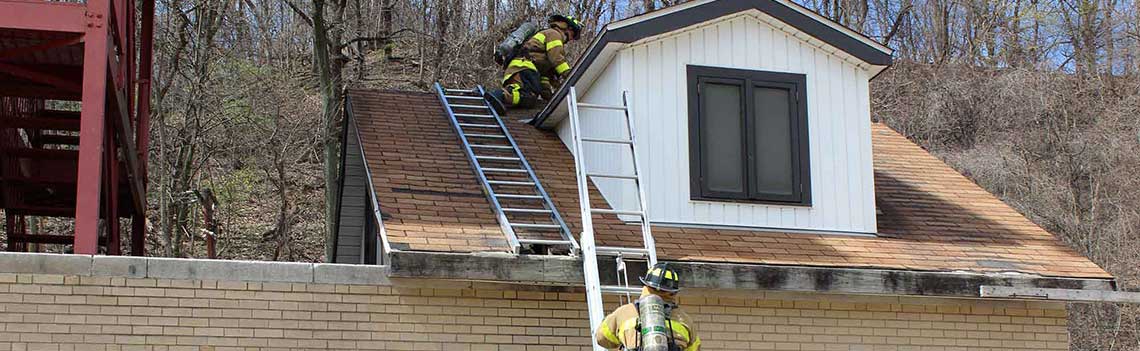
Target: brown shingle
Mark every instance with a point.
(933, 218)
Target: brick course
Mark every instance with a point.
(60, 312)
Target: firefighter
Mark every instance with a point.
(621, 328)
(540, 64)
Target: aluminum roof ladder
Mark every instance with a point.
(590, 251)
(524, 210)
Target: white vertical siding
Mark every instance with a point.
(654, 72)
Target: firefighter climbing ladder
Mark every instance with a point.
(590, 251)
(504, 173)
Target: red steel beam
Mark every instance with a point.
(40, 123)
(46, 239)
(42, 153)
(45, 15)
(112, 210)
(92, 132)
(20, 88)
(42, 46)
(40, 77)
(142, 138)
(121, 128)
(39, 179)
(42, 211)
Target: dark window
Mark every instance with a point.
(748, 136)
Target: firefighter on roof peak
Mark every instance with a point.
(654, 322)
(536, 65)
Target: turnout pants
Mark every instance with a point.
(523, 89)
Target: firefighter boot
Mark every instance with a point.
(495, 99)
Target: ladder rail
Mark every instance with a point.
(646, 231)
(504, 224)
(586, 240)
(565, 231)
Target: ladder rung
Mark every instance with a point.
(462, 91)
(503, 170)
(464, 97)
(609, 141)
(527, 210)
(486, 136)
(474, 125)
(497, 158)
(470, 115)
(617, 176)
(518, 196)
(616, 289)
(601, 107)
(545, 242)
(536, 226)
(618, 212)
(620, 251)
(504, 147)
(507, 182)
(469, 106)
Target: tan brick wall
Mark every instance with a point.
(57, 312)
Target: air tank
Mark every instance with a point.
(506, 49)
(654, 332)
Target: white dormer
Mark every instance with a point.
(749, 115)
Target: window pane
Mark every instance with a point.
(722, 157)
(773, 141)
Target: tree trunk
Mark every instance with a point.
(1135, 37)
(1109, 36)
(942, 30)
(386, 27)
(443, 15)
(329, 83)
(492, 8)
(360, 45)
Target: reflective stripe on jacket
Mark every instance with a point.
(546, 51)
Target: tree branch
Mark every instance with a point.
(898, 23)
(300, 12)
(370, 39)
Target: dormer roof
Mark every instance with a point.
(619, 34)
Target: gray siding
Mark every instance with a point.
(354, 204)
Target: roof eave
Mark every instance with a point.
(565, 271)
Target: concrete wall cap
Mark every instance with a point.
(19, 262)
(197, 269)
(119, 266)
(329, 273)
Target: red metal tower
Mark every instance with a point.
(87, 163)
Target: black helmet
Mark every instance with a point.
(571, 22)
(661, 277)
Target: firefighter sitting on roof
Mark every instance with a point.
(654, 322)
(540, 63)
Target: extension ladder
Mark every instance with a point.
(522, 207)
(590, 251)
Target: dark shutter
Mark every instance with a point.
(774, 167)
(722, 138)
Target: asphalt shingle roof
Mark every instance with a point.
(932, 217)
